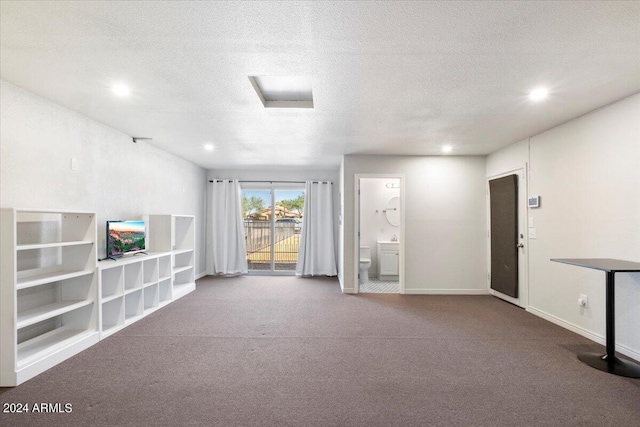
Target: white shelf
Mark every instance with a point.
(111, 329)
(181, 269)
(52, 245)
(162, 279)
(146, 285)
(105, 300)
(131, 291)
(42, 279)
(47, 344)
(134, 318)
(181, 251)
(48, 311)
(179, 288)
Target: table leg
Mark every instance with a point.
(609, 362)
(610, 316)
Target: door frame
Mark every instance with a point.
(272, 187)
(523, 253)
(356, 228)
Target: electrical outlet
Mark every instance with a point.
(583, 301)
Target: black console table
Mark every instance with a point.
(608, 362)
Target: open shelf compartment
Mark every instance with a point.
(164, 267)
(150, 270)
(112, 314)
(164, 291)
(133, 275)
(112, 281)
(183, 259)
(183, 232)
(133, 305)
(38, 303)
(42, 339)
(151, 300)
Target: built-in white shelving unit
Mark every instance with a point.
(55, 302)
(48, 289)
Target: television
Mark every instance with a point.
(125, 237)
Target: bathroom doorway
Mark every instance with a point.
(379, 233)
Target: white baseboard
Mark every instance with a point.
(201, 275)
(446, 291)
(348, 291)
(581, 331)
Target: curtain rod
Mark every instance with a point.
(272, 182)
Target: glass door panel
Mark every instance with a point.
(288, 213)
(257, 213)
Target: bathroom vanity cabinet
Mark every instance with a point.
(388, 260)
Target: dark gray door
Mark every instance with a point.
(503, 197)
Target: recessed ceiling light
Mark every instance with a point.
(283, 91)
(120, 89)
(538, 94)
(208, 147)
(447, 149)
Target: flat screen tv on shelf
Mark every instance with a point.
(125, 237)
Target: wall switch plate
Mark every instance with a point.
(74, 164)
(531, 222)
(532, 233)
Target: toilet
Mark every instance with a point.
(365, 264)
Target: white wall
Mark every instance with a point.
(374, 198)
(508, 159)
(116, 178)
(587, 172)
(445, 220)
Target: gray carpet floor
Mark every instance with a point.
(287, 351)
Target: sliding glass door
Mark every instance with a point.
(272, 224)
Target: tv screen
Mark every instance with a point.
(125, 237)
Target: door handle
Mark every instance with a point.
(520, 245)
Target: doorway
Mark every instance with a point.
(272, 224)
(379, 248)
(507, 236)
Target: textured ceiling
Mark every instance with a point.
(388, 77)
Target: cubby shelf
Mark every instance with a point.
(136, 287)
(176, 233)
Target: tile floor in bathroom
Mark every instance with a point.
(380, 286)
